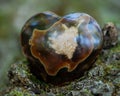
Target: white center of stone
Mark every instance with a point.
(65, 43)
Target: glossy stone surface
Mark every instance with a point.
(61, 49)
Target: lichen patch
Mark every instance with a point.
(65, 43)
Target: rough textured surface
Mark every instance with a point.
(65, 48)
(102, 80)
(110, 35)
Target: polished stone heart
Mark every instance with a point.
(56, 43)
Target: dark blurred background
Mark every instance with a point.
(14, 13)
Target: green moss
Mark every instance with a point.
(20, 92)
(60, 95)
(115, 49)
(87, 92)
(111, 51)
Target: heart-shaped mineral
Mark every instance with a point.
(61, 49)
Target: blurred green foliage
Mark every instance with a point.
(13, 15)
